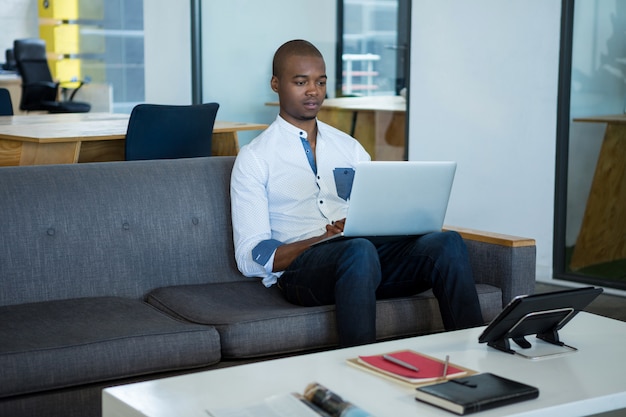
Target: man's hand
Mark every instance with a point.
(334, 228)
(285, 254)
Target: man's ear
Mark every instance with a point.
(274, 84)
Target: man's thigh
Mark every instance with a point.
(408, 264)
(311, 279)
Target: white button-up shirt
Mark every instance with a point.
(280, 195)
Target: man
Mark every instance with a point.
(286, 195)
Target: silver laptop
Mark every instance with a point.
(399, 198)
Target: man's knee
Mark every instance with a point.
(447, 238)
(446, 245)
(361, 251)
(360, 247)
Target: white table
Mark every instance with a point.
(589, 381)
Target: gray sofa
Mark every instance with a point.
(120, 271)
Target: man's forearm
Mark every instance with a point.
(287, 253)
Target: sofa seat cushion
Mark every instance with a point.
(419, 314)
(64, 343)
(256, 321)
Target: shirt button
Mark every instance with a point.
(321, 201)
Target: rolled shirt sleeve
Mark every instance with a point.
(250, 214)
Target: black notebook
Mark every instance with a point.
(476, 393)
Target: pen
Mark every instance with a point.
(401, 363)
(445, 366)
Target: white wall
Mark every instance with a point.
(18, 20)
(167, 49)
(484, 83)
(239, 38)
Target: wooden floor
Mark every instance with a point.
(606, 305)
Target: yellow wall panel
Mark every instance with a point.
(58, 9)
(60, 39)
(71, 9)
(66, 70)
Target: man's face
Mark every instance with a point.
(301, 88)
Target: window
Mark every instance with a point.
(112, 52)
(372, 64)
(373, 37)
(123, 57)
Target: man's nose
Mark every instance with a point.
(314, 90)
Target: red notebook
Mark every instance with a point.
(430, 369)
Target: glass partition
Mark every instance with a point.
(101, 42)
(372, 63)
(590, 218)
(374, 38)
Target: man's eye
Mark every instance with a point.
(300, 82)
(321, 83)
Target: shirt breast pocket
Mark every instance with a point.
(343, 181)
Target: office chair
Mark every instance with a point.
(9, 65)
(6, 107)
(168, 131)
(39, 91)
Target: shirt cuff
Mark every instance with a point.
(264, 251)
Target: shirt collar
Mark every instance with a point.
(301, 133)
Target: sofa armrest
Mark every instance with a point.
(504, 261)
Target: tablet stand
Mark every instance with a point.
(543, 324)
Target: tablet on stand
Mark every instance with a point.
(542, 315)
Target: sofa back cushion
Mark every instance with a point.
(114, 228)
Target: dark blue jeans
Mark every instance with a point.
(353, 273)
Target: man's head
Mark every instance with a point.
(299, 78)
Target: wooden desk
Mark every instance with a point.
(86, 137)
(377, 122)
(602, 235)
